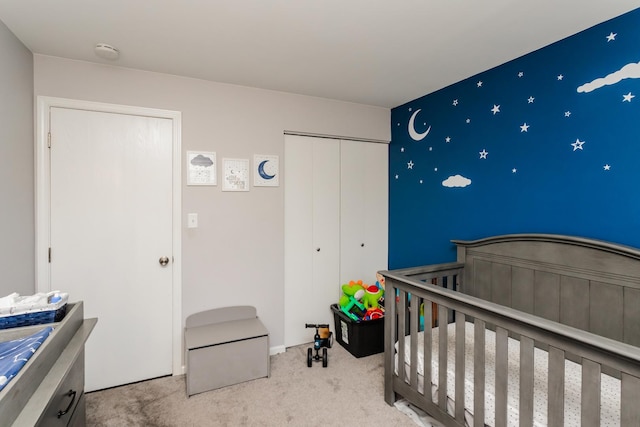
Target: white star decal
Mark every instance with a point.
(524, 127)
(410, 164)
(435, 169)
(455, 102)
(402, 150)
(627, 97)
(447, 139)
(514, 170)
(479, 84)
(577, 145)
(495, 109)
(396, 176)
(420, 181)
(607, 167)
(520, 74)
(530, 100)
(483, 154)
(567, 113)
(430, 148)
(560, 77)
(468, 120)
(611, 37)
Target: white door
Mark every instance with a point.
(312, 233)
(110, 224)
(364, 210)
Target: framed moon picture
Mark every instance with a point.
(235, 175)
(201, 168)
(266, 171)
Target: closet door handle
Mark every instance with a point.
(317, 249)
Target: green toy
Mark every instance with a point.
(372, 296)
(354, 305)
(349, 291)
(350, 300)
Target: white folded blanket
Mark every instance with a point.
(9, 300)
(15, 304)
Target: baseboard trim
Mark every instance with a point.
(277, 349)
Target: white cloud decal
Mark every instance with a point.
(456, 181)
(629, 71)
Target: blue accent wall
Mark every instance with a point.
(546, 143)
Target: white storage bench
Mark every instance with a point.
(225, 346)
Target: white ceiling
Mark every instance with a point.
(376, 52)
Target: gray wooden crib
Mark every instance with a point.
(527, 329)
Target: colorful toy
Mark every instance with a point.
(372, 296)
(323, 339)
(350, 300)
(349, 290)
(362, 302)
(380, 284)
(373, 314)
(355, 305)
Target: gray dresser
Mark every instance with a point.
(49, 389)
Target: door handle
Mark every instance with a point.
(163, 261)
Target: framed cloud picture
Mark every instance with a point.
(266, 171)
(201, 168)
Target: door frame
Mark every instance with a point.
(43, 194)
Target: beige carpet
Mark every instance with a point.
(349, 392)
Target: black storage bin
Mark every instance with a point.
(359, 338)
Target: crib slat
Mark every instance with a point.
(630, 389)
(414, 322)
(390, 337)
(502, 375)
(478, 373)
(555, 401)
(460, 368)
(402, 331)
(442, 357)
(450, 285)
(428, 337)
(590, 401)
(526, 382)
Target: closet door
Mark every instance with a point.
(363, 211)
(312, 232)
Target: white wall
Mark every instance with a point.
(16, 166)
(236, 255)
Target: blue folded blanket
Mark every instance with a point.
(14, 354)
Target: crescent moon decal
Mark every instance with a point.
(261, 171)
(412, 131)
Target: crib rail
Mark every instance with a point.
(434, 286)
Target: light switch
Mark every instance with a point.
(192, 220)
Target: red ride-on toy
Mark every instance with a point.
(323, 339)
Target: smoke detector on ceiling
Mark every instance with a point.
(106, 51)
